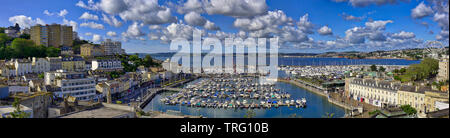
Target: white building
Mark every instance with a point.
(75, 84)
(40, 65)
(112, 47)
(375, 92)
(106, 65)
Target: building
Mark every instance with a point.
(75, 84)
(13, 31)
(54, 35)
(433, 98)
(67, 50)
(376, 92)
(443, 72)
(73, 63)
(112, 47)
(55, 63)
(107, 65)
(22, 66)
(90, 50)
(40, 65)
(413, 96)
(75, 36)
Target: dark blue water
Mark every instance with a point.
(317, 107)
(297, 61)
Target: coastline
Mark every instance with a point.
(313, 90)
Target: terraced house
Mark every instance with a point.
(376, 92)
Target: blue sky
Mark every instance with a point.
(381, 25)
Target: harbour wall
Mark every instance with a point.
(319, 92)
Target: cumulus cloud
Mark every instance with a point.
(364, 3)
(63, 13)
(96, 38)
(305, 25)
(235, 8)
(325, 30)
(111, 20)
(88, 16)
(273, 19)
(403, 35)
(195, 19)
(88, 34)
(71, 23)
(91, 5)
(111, 34)
(378, 25)
(133, 32)
(421, 11)
(25, 21)
(348, 17)
(113, 6)
(92, 25)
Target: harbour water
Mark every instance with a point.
(317, 107)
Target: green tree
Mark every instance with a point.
(18, 113)
(373, 68)
(381, 69)
(25, 36)
(408, 109)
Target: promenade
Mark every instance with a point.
(336, 98)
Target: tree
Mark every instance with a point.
(373, 68)
(408, 109)
(25, 36)
(381, 69)
(18, 113)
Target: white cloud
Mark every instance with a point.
(90, 6)
(93, 25)
(88, 34)
(348, 17)
(111, 21)
(133, 32)
(211, 26)
(193, 18)
(71, 23)
(88, 16)
(363, 3)
(96, 38)
(111, 34)
(421, 11)
(236, 8)
(24, 21)
(325, 30)
(154, 27)
(305, 25)
(46, 12)
(378, 25)
(403, 35)
(63, 13)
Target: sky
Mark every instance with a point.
(302, 26)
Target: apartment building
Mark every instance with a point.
(443, 71)
(376, 92)
(73, 63)
(89, 50)
(112, 47)
(54, 35)
(107, 65)
(75, 84)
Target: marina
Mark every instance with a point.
(232, 92)
(317, 105)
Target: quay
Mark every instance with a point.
(330, 99)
